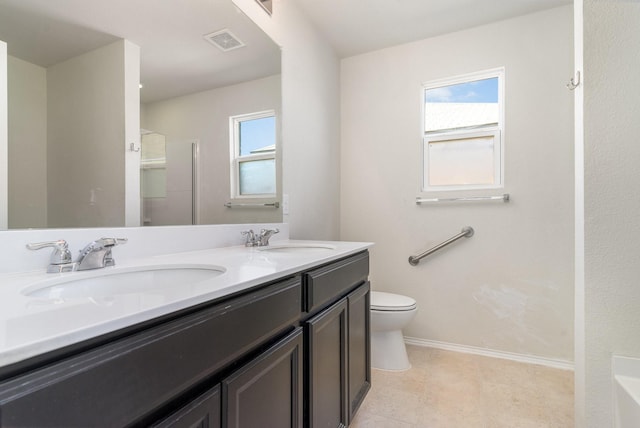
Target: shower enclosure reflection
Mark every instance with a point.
(167, 180)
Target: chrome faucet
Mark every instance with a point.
(265, 234)
(96, 255)
(258, 240)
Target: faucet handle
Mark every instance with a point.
(270, 232)
(60, 255)
(102, 243)
(250, 238)
(112, 242)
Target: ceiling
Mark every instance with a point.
(358, 26)
(175, 59)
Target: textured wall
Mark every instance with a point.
(510, 287)
(612, 203)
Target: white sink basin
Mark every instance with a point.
(160, 279)
(297, 247)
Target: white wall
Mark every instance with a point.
(86, 139)
(204, 116)
(579, 214)
(510, 287)
(132, 133)
(612, 204)
(311, 120)
(27, 86)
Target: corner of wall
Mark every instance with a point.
(311, 119)
(132, 133)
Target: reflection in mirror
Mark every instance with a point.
(75, 108)
(153, 165)
(167, 180)
(254, 150)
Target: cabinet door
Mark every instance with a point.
(327, 359)
(268, 391)
(359, 347)
(203, 412)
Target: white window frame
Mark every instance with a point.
(236, 159)
(497, 131)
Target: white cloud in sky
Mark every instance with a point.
(484, 90)
(445, 94)
(442, 94)
(470, 95)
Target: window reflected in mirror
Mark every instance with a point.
(253, 143)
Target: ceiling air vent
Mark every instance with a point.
(224, 40)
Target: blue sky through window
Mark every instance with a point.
(477, 91)
(256, 134)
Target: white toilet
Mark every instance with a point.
(390, 313)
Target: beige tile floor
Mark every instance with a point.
(455, 390)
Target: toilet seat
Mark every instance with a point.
(381, 301)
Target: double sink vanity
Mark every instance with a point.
(268, 336)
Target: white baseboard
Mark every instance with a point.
(548, 362)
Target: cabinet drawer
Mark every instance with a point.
(125, 381)
(330, 282)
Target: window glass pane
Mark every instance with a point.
(257, 136)
(462, 105)
(154, 149)
(461, 161)
(258, 177)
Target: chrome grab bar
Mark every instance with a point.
(503, 198)
(467, 232)
(232, 205)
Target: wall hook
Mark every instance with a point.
(574, 83)
(132, 147)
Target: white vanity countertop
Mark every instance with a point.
(33, 325)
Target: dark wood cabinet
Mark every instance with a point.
(290, 353)
(132, 378)
(203, 412)
(337, 341)
(327, 367)
(268, 391)
(359, 347)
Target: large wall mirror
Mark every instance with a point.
(119, 113)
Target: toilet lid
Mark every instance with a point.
(382, 301)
